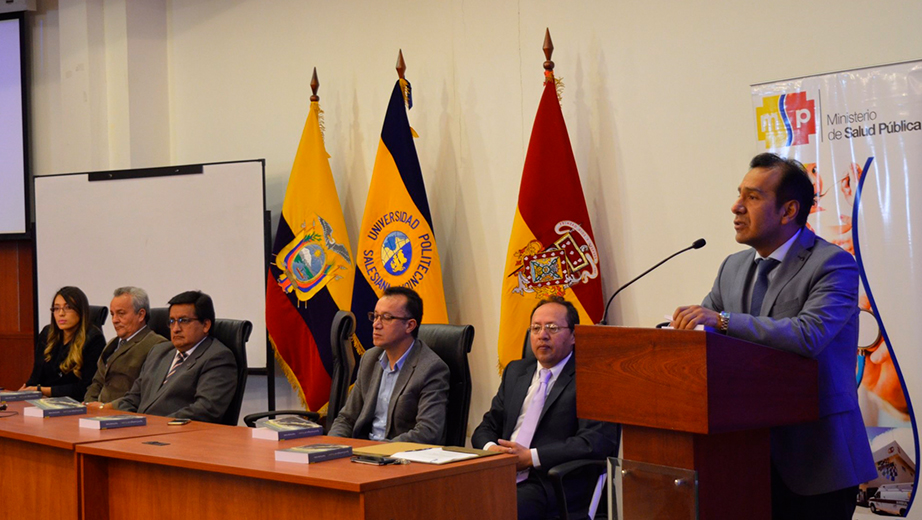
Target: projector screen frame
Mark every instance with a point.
(25, 87)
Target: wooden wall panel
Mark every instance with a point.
(17, 315)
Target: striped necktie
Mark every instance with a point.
(180, 357)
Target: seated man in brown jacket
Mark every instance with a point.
(121, 359)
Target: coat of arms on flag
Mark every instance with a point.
(313, 259)
(550, 271)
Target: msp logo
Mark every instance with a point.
(311, 260)
(550, 271)
(400, 252)
(786, 120)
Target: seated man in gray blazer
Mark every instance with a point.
(401, 391)
(121, 360)
(794, 291)
(193, 376)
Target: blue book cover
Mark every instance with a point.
(108, 422)
(23, 395)
(54, 407)
(313, 453)
(285, 428)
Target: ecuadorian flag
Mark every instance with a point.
(396, 240)
(552, 249)
(311, 271)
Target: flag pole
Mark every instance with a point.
(548, 51)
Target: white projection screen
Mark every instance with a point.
(166, 230)
(13, 195)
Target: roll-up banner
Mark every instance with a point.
(859, 134)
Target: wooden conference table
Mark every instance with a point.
(206, 471)
(39, 465)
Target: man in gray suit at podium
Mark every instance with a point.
(796, 292)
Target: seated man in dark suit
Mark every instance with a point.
(194, 376)
(533, 415)
(401, 391)
(121, 360)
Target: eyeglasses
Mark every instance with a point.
(385, 317)
(551, 328)
(182, 321)
(65, 308)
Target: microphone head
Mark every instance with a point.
(698, 244)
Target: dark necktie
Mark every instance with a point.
(764, 267)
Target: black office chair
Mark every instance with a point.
(453, 343)
(581, 468)
(234, 334)
(159, 321)
(98, 315)
(341, 344)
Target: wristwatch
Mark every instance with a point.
(723, 322)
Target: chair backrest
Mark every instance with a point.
(527, 353)
(98, 315)
(453, 343)
(341, 334)
(234, 334)
(159, 321)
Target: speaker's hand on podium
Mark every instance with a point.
(691, 316)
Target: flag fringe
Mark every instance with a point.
(293, 380)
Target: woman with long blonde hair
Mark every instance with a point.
(68, 349)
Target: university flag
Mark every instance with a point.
(311, 271)
(552, 249)
(396, 240)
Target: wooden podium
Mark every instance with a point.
(695, 400)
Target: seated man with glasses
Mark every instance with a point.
(193, 376)
(533, 415)
(401, 391)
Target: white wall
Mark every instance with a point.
(656, 100)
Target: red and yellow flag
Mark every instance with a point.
(311, 271)
(552, 249)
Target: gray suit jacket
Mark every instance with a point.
(811, 308)
(200, 389)
(115, 376)
(416, 412)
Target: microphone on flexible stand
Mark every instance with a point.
(697, 244)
